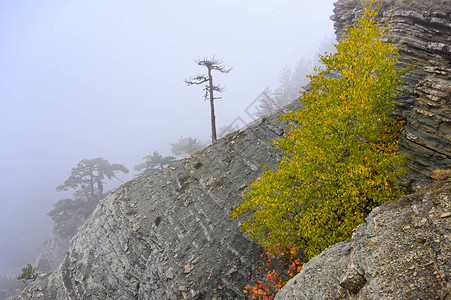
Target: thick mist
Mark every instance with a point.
(85, 79)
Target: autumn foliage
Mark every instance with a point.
(340, 152)
(276, 267)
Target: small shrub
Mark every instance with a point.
(29, 273)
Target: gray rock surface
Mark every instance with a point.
(167, 235)
(54, 250)
(403, 251)
(423, 31)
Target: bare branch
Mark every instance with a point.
(218, 88)
(213, 64)
(221, 69)
(198, 79)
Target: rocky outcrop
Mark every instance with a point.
(423, 31)
(167, 235)
(54, 249)
(53, 252)
(403, 251)
(68, 215)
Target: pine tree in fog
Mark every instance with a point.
(154, 162)
(210, 88)
(87, 179)
(185, 146)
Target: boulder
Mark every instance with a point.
(402, 251)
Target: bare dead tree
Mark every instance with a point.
(210, 88)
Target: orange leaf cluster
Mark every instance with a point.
(266, 287)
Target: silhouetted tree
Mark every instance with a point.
(211, 65)
(186, 146)
(88, 177)
(68, 214)
(154, 162)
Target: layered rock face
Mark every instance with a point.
(403, 251)
(423, 31)
(54, 250)
(168, 235)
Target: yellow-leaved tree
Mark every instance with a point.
(340, 153)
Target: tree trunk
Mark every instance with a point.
(212, 107)
(99, 187)
(91, 183)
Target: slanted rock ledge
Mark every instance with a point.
(403, 251)
(167, 235)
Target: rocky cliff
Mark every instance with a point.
(53, 252)
(54, 249)
(168, 235)
(423, 31)
(402, 251)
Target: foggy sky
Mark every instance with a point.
(104, 78)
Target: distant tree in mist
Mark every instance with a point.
(226, 129)
(88, 177)
(68, 214)
(326, 46)
(288, 90)
(153, 163)
(185, 146)
(210, 88)
(267, 103)
(291, 83)
(299, 78)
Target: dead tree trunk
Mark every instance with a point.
(212, 107)
(210, 88)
